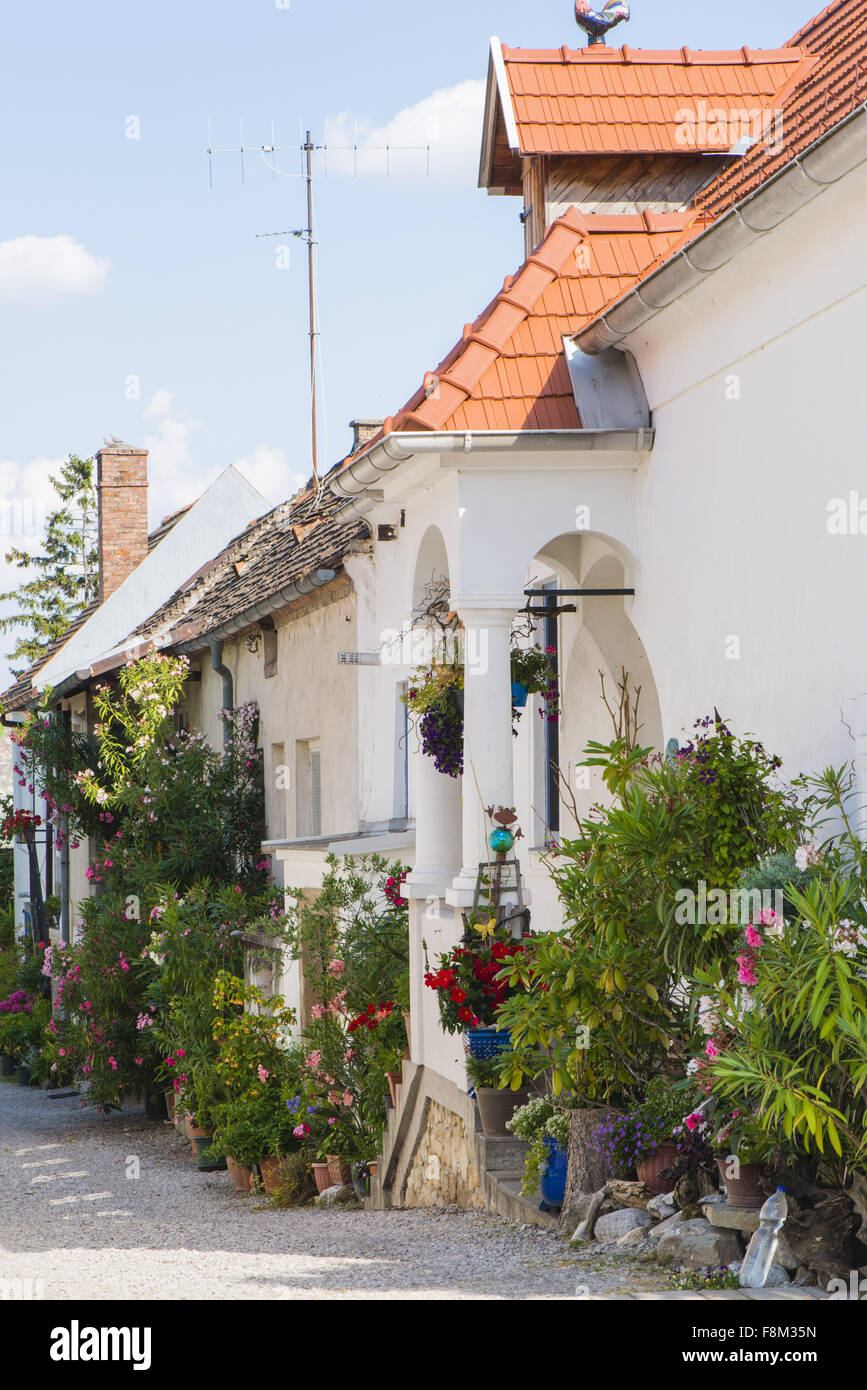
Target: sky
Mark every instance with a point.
(139, 301)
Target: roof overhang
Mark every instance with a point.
(498, 101)
(360, 482)
(824, 163)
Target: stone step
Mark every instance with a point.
(507, 1200)
(498, 1152)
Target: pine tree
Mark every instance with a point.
(67, 570)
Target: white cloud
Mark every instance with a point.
(37, 270)
(175, 477)
(449, 121)
(268, 470)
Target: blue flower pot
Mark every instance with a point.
(553, 1184)
(519, 695)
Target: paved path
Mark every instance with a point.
(76, 1221)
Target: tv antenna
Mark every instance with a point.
(307, 234)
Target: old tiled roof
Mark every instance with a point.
(601, 100)
(274, 552)
(832, 88)
(508, 371)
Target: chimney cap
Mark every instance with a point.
(111, 443)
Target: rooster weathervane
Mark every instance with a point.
(596, 23)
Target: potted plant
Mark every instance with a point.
(468, 987)
(435, 696)
(741, 1149)
(644, 1140)
(533, 674)
(547, 1130)
(497, 1103)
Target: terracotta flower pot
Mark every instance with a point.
(241, 1177)
(272, 1174)
(339, 1171)
(744, 1190)
(321, 1176)
(650, 1168)
(171, 1100)
(496, 1107)
(374, 1168)
(194, 1133)
(394, 1079)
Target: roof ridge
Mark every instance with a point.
(684, 57)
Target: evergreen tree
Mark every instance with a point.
(66, 574)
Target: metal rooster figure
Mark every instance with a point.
(596, 23)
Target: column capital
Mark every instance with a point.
(492, 611)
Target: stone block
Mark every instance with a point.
(697, 1244)
(618, 1223)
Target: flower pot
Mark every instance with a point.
(498, 1106)
(170, 1099)
(23, 1074)
(394, 1079)
(272, 1174)
(743, 1191)
(207, 1159)
(194, 1133)
(374, 1167)
(519, 695)
(7, 1066)
(241, 1177)
(321, 1176)
(339, 1171)
(650, 1168)
(553, 1184)
(487, 1042)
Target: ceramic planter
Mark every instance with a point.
(339, 1171)
(194, 1133)
(208, 1161)
(650, 1168)
(394, 1079)
(498, 1106)
(241, 1177)
(519, 695)
(23, 1074)
(744, 1190)
(553, 1184)
(272, 1174)
(321, 1176)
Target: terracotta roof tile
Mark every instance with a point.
(508, 370)
(603, 100)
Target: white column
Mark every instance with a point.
(437, 827)
(488, 778)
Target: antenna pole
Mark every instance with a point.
(311, 273)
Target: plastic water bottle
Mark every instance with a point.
(763, 1246)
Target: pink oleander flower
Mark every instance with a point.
(347, 1097)
(312, 1060)
(301, 1131)
(693, 1121)
(754, 938)
(112, 1063)
(337, 967)
(711, 1049)
(262, 1072)
(318, 1011)
(746, 974)
(332, 1121)
(333, 1098)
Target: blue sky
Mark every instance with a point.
(121, 271)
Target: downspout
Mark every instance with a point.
(64, 884)
(216, 645)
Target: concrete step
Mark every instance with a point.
(496, 1153)
(507, 1199)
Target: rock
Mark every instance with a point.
(696, 1244)
(819, 1228)
(669, 1224)
(784, 1256)
(637, 1236)
(579, 1236)
(629, 1194)
(334, 1196)
(777, 1276)
(805, 1278)
(661, 1208)
(618, 1223)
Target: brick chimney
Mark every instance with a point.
(122, 488)
(363, 431)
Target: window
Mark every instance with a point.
(279, 790)
(308, 789)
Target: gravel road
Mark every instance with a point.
(76, 1221)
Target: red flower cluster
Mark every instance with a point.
(467, 985)
(392, 891)
(17, 823)
(371, 1018)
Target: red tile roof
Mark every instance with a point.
(833, 86)
(508, 371)
(601, 100)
